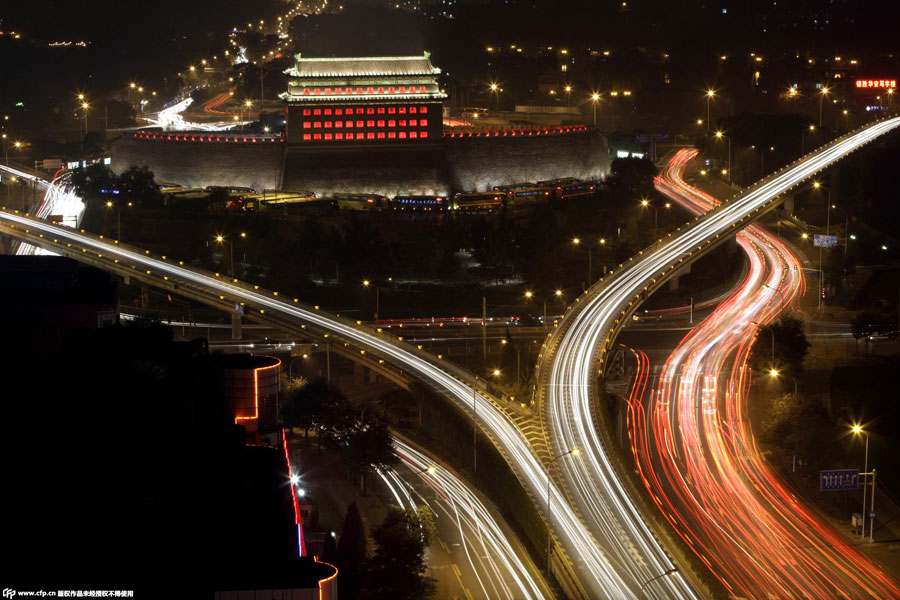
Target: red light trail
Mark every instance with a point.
(697, 455)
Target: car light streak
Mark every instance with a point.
(699, 460)
(492, 560)
(568, 371)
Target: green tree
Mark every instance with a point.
(791, 346)
(397, 570)
(352, 554)
(798, 425)
(90, 181)
(369, 446)
(631, 178)
(139, 185)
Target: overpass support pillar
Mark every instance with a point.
(145, 297)
(731, 246)
(788, 205)
(673, 283)
(235, 326)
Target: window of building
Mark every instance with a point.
(402, 110)
(327, 111)
(381, 123)
(423, 134)
(380, 110)
(413, 123)
(370, 111)
(307, 112)
(392, 110)
(370, 123)
(317, 124)
(403, 123)
(339, 111)
(327, 91)
(422, 89)
(413, 134)
(317, 136)
(327, 124)
(339, 136)
(317, 111)
(380, 135)
(348, 123)
(392, 134)
(402, 135)
(370, 90)
(327, 136)
(412, 110)
(370, 136)
(423, 110)
(307, 124)
(306, 137)
(359, 111)
(338, 124)
(360, 124)
(392, 123)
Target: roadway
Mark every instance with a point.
(692, 441)
(474, 544)
(573, 366)
(593, 575)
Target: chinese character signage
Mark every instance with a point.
(876, 84)
(824, 241)
(842, 479)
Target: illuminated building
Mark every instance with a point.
(372, 100)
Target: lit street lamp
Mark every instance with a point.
(573, 452)
(817, 186)
(109, 204)
(366, 283)
(822, 94)
(812, 129)
(595, 97)
(495, 89)
(557, 294)
(221, 240)
(775, 373)
(709, 96)
(857, 429)
(85, 106)
(721, 135)
(568, 89)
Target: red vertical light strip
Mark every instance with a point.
(297, 521)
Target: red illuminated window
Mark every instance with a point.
(381, 90)
(327, 111)
(413, 123)
(392, 123)
(306, 124)
(370, 123)
(380, 135)
(370, 90)
(339, 136)
(421, 88)
(338, 124)
(327, 91)
(423, 109)
(402, 135)
(306, 112)
(412, 110)
(306, 137)
(413, 134)
(370, 111)
(359, 90)
(391, 110)
(402, 123)
(381, 123)
(348, 123)
(339, 111)
(317, 136)
(317, 111)
(370, 136)
(359, 111)
(423, 134)
(402, 89)
(348, 91)
(359, 123)
(381, 110)
(402, 110)
(317, 124)
(327, 136)
(391, 90)
(327, 124)
(392, 134)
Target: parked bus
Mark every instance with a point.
(360, 201)
(512, 187)
(531, 195)
(558, 182)
(571, 190)
(432, 203)
(479, 201)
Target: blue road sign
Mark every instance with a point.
(837, 480)
(824, 241)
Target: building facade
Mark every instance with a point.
(391, 100)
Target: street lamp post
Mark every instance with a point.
(775, 373)
(573, 452)
(721, 135)
(366, 283)
(495, 89)
(595, 97)
(221, 239)
(109, 204)
(652, 579)
(709, 96)
(857, 429)
(812, 129)
(846, 225)
(568, 89)
(817, 186)
(822, 95)
(85, 106)
(558, 294)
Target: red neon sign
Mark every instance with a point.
(879, 84)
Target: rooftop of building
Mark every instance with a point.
(369, 66)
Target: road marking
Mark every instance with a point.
(456, 570)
